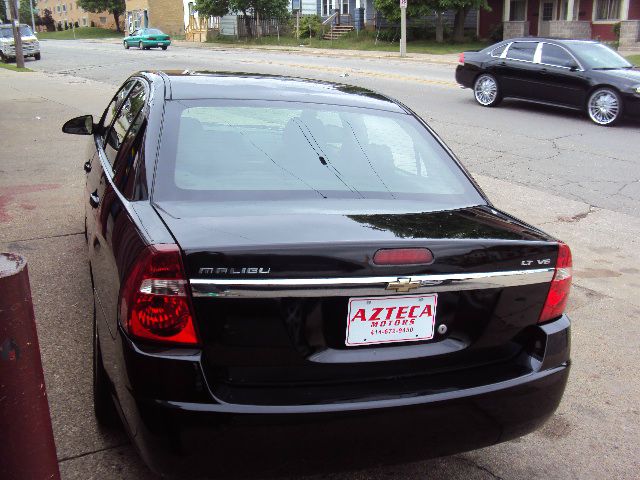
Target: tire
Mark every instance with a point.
(486, 90)
(37, 56)
(164, 48)
(604, 107)
(3, 58)
(126, 44)
(140, 46)
(103, 406)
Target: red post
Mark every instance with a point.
(27, 449)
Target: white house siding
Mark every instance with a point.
(309, 7)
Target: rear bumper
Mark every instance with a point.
(465, 76)
(156, 43)
(176, 437)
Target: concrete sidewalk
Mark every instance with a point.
(593, 435)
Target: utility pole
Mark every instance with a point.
(15, 22)
(403, 28)
(33, 22)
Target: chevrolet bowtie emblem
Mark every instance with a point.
(403, 284)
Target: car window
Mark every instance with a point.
(522, 51)
(114, 106)
(597, 55)
(154, 31)
(228, 150)
(129, 111)
(496, 52)
(555, 55)
(129, 155)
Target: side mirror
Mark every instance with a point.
(82, 125)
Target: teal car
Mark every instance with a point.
(146, 38)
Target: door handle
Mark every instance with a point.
(502, 64)
(543, 71)
(94, 199)
(87, 166)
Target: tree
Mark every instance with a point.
(24, 12)
(47, 20)
(3, 12)
(256, 8)
(462, 8)
(114, 7)
(416, 8)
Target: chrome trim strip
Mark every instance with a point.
(363, 286)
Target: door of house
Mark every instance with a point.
(548, 12)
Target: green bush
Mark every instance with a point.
(310, 26)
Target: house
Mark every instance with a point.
(596, 19)
(166, 15)
(68, 13)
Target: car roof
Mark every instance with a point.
(549, 39)
(186, 85)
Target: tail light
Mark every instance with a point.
(403, 256)
(560, 286)
(461, 58)
(154, 300)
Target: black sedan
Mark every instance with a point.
(577, 74)
(291, 274)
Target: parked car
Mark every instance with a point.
(577, 74)
(30, 44)
(146, 38)
(284, 269)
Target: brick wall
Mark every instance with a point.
(630, 35)
(515, 29)
(565, 29)
(167, 15)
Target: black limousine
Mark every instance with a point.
(292, 274)
(578, 74)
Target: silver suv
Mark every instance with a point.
(30, 44)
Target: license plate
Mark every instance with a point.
(159, 44)
(403, 318)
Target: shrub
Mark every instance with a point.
(310, 26)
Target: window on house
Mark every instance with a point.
(103, 20)
(64, 8)
(547, 11)
(607, 9)
(518, 11)
(84, 22)
(564, 7)
(345, 7)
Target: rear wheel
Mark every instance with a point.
(102, 402)
(37, 56)
(164, 47)
(3, 58)
(604, 107)
(126, 44)
(486, 91)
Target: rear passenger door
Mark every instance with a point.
(563, 81)
(518, 73)
(118, 152)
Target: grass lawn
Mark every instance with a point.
(353, 41)
(11, 66)
(83, 32)
(635, 59)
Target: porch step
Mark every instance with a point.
(338, 31)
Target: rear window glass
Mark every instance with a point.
(496, 52)
(522, 51)
(241, 150)
(153, 31)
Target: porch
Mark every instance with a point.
(582, 19)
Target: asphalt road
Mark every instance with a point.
(551, 168)
(553, 150)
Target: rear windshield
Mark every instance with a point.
(247, 150)
(153, 31)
